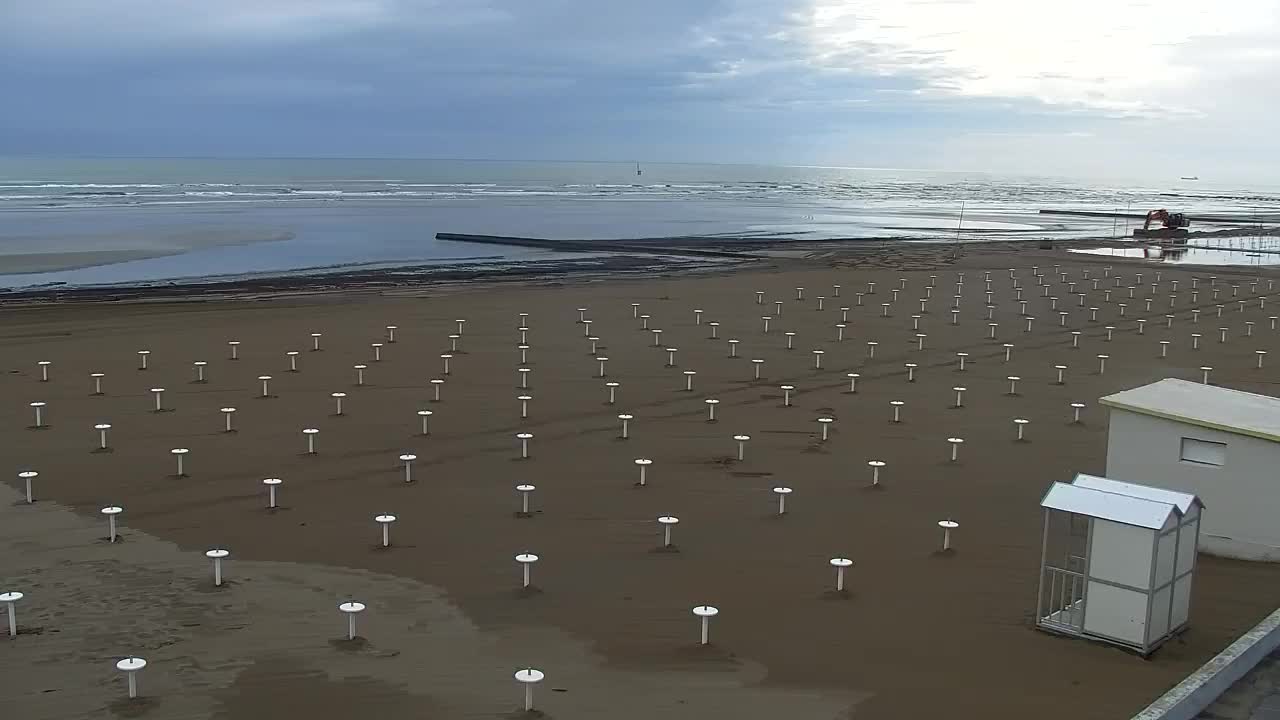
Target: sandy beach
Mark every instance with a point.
(918, 634)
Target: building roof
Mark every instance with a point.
(1183, 501)
(1125, 509)
(1207, 406)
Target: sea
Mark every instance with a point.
(121, 221)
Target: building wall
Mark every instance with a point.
(1241, 497)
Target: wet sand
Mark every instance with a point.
(918, 634)
(19, 263)
(74, 252)
(270, 642)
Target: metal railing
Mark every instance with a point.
(1062, 600)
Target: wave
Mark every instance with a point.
(404, 184)
(523, 193)
(215, 201)
(20, 185)
(83, 185)
(839, 195)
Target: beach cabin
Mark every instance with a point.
(1117, 561)
(1219, 444)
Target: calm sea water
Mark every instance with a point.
(243, 217)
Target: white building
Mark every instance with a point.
(1221, 445)
(1117, 561)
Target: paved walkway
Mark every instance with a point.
(1256, 696)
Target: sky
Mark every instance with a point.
(1092, 88)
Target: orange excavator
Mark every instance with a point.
(1172, 225)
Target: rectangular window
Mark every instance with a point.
(1203, 452)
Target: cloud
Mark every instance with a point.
(1121, 58)
(135, 27)
(827, 82)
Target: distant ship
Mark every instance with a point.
(638, 170)
(1190, 177)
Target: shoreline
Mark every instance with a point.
(353, 281)
(653, 257)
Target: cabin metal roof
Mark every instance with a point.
(1208, 406)
(1183, 501)
(1125, 509)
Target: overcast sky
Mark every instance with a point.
(1083, 87)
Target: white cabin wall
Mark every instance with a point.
(1186, 553)
(1158, 625)
(1121, 554)
(1181, 601)
(1166, 557)
(1116, 613)
(1240, 496)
